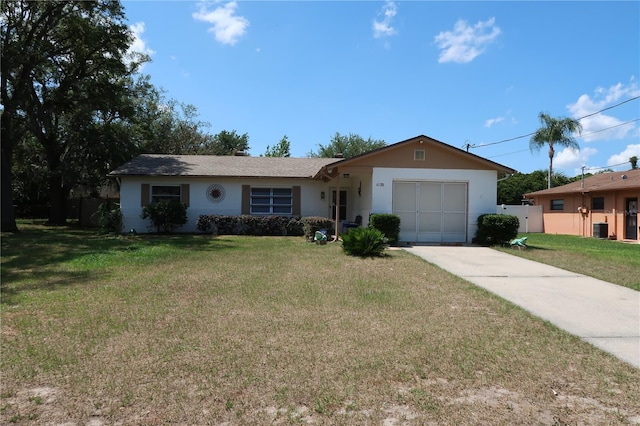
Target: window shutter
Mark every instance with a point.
(296, 201)
(184, 194)
(144, 195)
(246, 199)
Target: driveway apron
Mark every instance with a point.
(603, 314)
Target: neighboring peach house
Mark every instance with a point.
(603, 206)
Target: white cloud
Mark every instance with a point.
(624, 156)
(490, 122)
(465, 42)
(572, 158)
(593, 126)
(382, 25)
(227, 26)
(138, 46)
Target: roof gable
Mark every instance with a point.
(611, 181)
(438, 155)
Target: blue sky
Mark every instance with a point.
(476, 73)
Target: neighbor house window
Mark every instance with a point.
(271, 201)
(165, 193)
(418, 154)
(557, 204)
(597, 203)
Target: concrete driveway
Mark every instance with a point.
(603, 314)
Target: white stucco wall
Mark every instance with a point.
(375, 195)
(482, 189)
(131, 187)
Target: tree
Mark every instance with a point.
(349, 146)
(555, 132)
(67, 82)
(8, 215)
(29, 175)
(634, 162)
(511, 190)
(228, 143)
(282, 149)
(174, 128)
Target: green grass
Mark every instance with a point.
(611, 261)
(248, 330)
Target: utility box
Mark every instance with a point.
(601, 230)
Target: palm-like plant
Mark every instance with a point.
(555, 132)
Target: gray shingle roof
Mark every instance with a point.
(227, 166)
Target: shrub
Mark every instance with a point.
(166, 216)
(110, 217)
(388, 224)
(250, 225)
(364, 242)
(494, 229)
(311, 224)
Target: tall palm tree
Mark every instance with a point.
(555, 132)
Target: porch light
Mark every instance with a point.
(322, 195)
(346, 175)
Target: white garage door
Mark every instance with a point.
(431, 212)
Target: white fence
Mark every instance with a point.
(530, 217)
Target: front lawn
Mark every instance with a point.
(275, 330)
(613, 261)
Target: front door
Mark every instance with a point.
(631, 219)
(342, 204)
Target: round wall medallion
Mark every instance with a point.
(215, 193)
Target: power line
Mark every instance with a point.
(502, 141)
(588, 115)
(612, 127)
(509, 153)
(612, 106)
(585, 134)
(608, 167)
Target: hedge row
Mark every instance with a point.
(249, 225)
(262, 225)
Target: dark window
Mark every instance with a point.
(557, 204)
(165, 193)
(597, 203)
(271, 201)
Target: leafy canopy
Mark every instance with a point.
(348, 145)
(281, 149)
(68, 83)
(511, 190)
